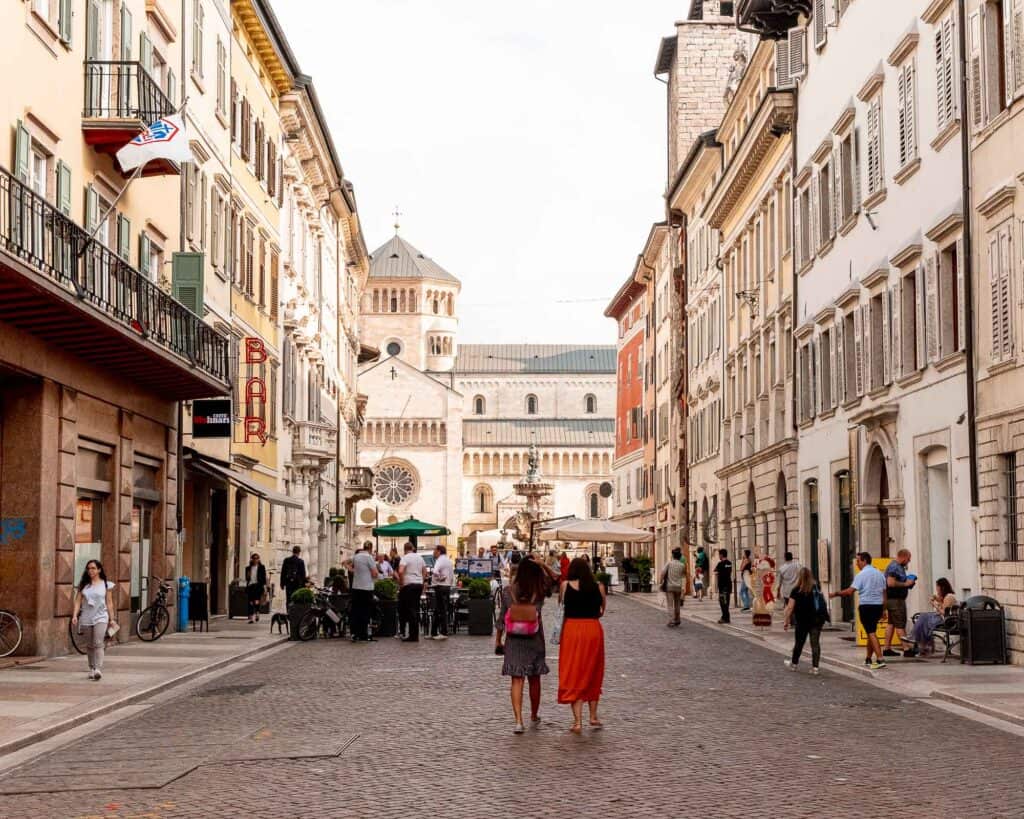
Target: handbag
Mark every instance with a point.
(522, 619)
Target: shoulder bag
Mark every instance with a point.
(522, 619)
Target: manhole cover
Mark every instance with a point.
(230, 690)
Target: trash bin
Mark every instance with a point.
(184, 592)
(983, 631)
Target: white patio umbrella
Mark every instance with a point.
(596, 531)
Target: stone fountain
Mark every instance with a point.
(532, 487)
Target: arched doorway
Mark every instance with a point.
(813, 523)
(781, 526)
(875, 522)
(844, 526)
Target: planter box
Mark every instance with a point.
(388, 618)
(481, 617)
(295, 613)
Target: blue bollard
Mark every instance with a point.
(184, 590)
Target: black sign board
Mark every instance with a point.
(211, 418)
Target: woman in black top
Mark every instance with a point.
(255, 583)
(581, 651)
(802, 609)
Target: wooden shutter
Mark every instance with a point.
(817, 388)
(896, 311)
(783, 79)
(836, 203)
(867, 357)
(855, 144)
(187, 280)
(840, 359)
(799, 251)
(1005, 295)
(820, 23)
(63, 188)
(931, 319)
(961, 297)
(146, 52)
(858, 346)
(124, 235)
(995, 274)
(229, 241)
(886, 337)
(172, 87)
(92, 209)
(92, 30)
(977, 99)
(814, 233)
(832, 369)
(144, 253)
(902, 126)
(920, 326)
(234, 110)
(874, 146)
(64, 24)
(797, 52)
(798, 385)
(274, 296)
(1008, 56)
(202, 210)
(1018, 46)
(190, 199)
(22, 152)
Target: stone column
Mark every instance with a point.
(124, 485)
(64, 554)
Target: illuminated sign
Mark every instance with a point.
(255, 393)
(211, 418)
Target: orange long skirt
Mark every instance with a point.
(581, 661)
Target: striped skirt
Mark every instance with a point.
(581, 661)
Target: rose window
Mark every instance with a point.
(393, 484)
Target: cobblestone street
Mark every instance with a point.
(698, 723)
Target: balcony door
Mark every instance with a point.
(99, 48)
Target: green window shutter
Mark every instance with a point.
(22, 149)
(144, 249)
(63, 188)
(124, 234)
(146, 52)
(187, 280)
(126, 33)
(64, 24)
(172, 87)
(92, 209)
(92, 30)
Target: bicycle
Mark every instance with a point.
(10, 632)
(325, 616)
(155, 618)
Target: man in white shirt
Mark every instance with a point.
(364, 572)
(441, 582)
(410, 578)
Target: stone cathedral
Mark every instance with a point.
(448, 426)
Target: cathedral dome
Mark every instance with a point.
(397, 259)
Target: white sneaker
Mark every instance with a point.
(92, 674)
(790, 665)
(99, 674)
(440, 637)
(815, 672)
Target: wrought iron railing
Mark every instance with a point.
(117, 89)
(45, 239)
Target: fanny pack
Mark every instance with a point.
(522, 619)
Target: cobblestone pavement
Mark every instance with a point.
(699, 723)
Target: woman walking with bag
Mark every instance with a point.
(520, 622)
(808, 608)
(94, 604)
(255, 583)
(581, 649)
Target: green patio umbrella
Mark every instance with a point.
(411, 529)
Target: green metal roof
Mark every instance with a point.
(583, 432)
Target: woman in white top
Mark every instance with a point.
(94, 603)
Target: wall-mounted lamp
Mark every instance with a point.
(748, 297)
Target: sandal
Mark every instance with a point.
(577, 728)
(520, 728)
(597, 725)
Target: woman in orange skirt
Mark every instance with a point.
(581, 650)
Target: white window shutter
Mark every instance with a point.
(874, 147)
(910, 85)
(858, 346)
(799, 251)
(832, 369)
(820, 23)
(868, 358)
(896, 311)
(941, 91)
(815, 232)
(817, 404)
(1009, 57)
(961, 296)
(977, 96)
(920, 324)
(855, 139)
(797, 52)
(783, 79)
(1018, 46)
(886, 337)
(836, 203)
(901, 118)
(1005, 291)
(932, 306)
(801, 412)
(840, 359)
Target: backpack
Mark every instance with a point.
(821, 605)
(521, 619)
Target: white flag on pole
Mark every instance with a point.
(164, 139)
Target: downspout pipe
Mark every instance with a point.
(968, 258)
(793, 255)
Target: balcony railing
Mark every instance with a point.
(123, 90)
(319, 440)
(771, 18)
(43, 238)
(359, 481)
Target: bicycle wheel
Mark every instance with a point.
(77, 640)
(309, 626)
(496, 601)
(10, 633)
(153, 622)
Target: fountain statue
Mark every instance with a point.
(532, 487)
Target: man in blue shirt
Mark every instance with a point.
(870, 586)
(897, 589)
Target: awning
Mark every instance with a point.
(218, 470)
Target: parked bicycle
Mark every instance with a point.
(10, 632)
(155, 618)
(328, 616)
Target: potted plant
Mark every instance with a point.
(481, 614)
(643, 569)
(606, 579)
(301, 602)
(386, 592)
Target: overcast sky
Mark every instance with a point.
(524, 144)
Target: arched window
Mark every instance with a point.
(531, 405)
(479, 405)
(594, 505)
(394, 302)
(451, 305)
(483, 499)
(590, 404)
(437, 306)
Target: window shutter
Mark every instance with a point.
(92, 30)
(22, 152)
(274, 297)
(977, 100)
(234, 110)
(1008, 56)
(910, 85)
(886, 337)
(146, 52)
(961, 296)
(896, 311)
(799, 251)
(990, 40)
(874, 147)
(782, 75)
(64, 23)
(798, 385)
(216, 217)
(1018, 46)
(190, 199)
(1005, 309)
(995, 274)
(835, 204)
(797, 53)
(855, 140)
(867, 356)
(815, 228)
(63, 188)
(931, 319)
(126, 35)
(840, 359)
(202, 210)
(832, 369)
(820, 23)
(124, 235)
(941, 91)
(92, 209)
(187, 280)
(901, 117)
(144, 253)
(921, 347)
(229, 242)
(858, 346)
(172, 87)
(817, 402)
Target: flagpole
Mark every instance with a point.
(135, 175)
